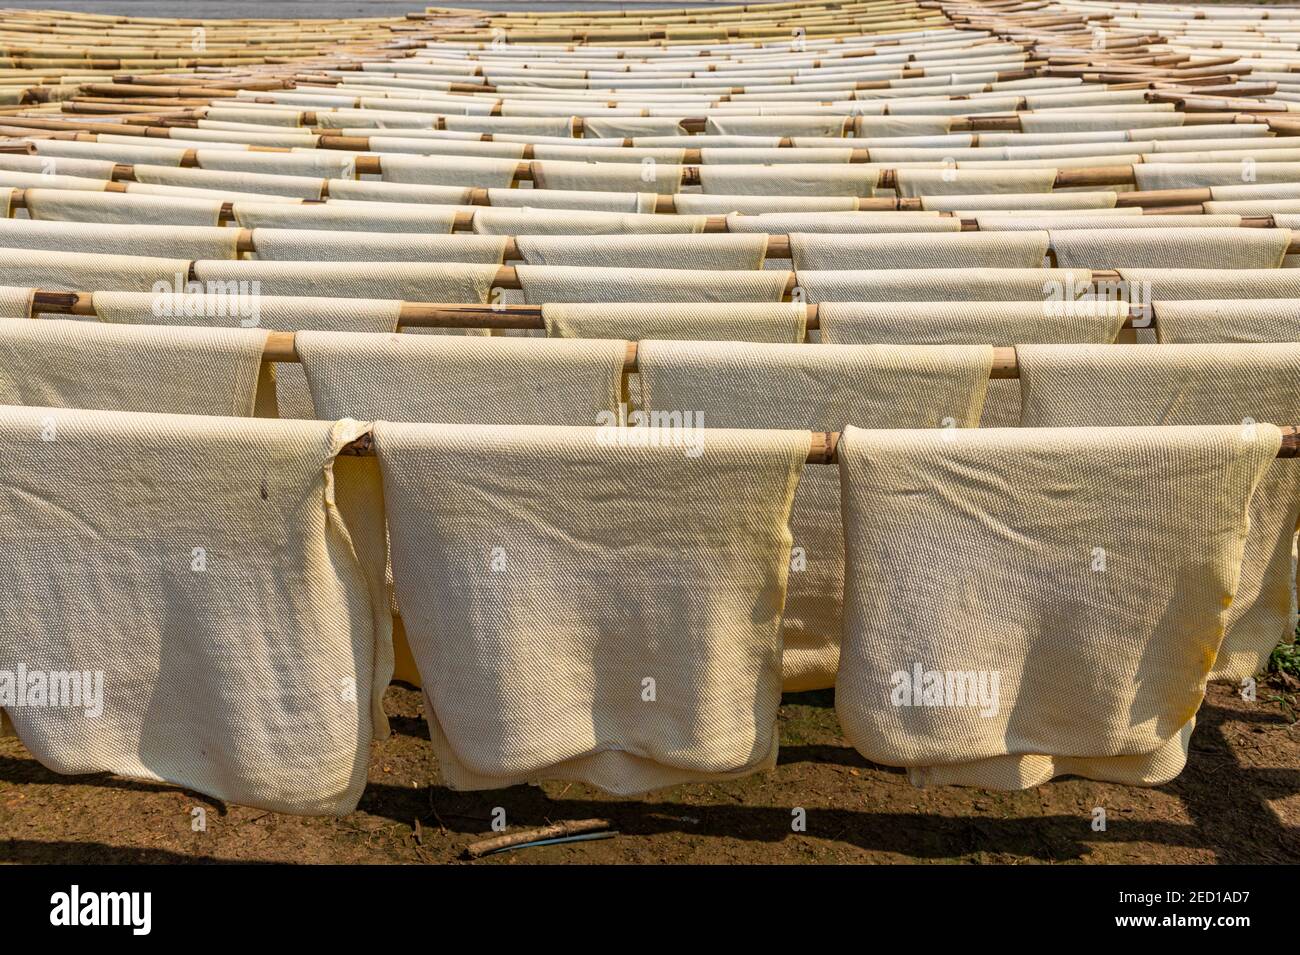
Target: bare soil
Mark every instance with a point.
(1237, 801)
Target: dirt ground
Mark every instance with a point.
(1237, 801)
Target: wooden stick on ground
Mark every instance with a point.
(573, 827)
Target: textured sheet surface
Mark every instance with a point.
(572, 222)
(405, 281)
(462, 380)
(789, 222)
(15, 302)
(709, 321)
(480, 171)
(1021, 201)
(571, 199)
(961, 182)
(1088, 219)
(647, 176)
(821, 388)
(1203, 248)
(75, 271)
(316, 164)
(298, 187)
(71, 364)
(790, 179)
(216, 588)
(1249, 320)
(1020, 250)
(564, 283)
(75, 206)
(941, 285)
(1086, 385)
(345, 216)
(1001, 324)
(190, 242)
(706, 205)
(711, 251)
(276, 313)
(660, 661)
(1190, 175)
(317, 245)
(405, 192)
(1089, 680)
(790, 125)
(1177, 283)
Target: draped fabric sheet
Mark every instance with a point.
(1198, 248)
(998, 625)
(584, 153)
(706, 205)
(892, 126)
(1242, 321)
(462, 380)
(766, 155)
(792, 125)
(1020, 250)
(647, 176)
(1020, 201)
(718, 250)
(278, 313)
(627, 127)
(475, 171)
(16, 302)
(891, 222)
(404, 281)
(569, 222)
(961, 182)
(790, 179)
(1070, 121)
(316, 164)
(225, 194)
(370, 190)
(1192, 175)
(942, 285)
(1255, 191)
(1218, 384)
(75, 270)
(995, 323)
(57, 166)
(660, 659)
(318, 245)
(1156, 284)
(71, 364)
(298, 187)
(570, 283)
(215, 587)
(190, 242)
(36, 180)
(821, 388)
(343, 215)
(1115, 219)
(458, 380)
(709, 321)
(72, 206)
(574, 200)
(1001, 324)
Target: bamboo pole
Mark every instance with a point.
(823, 446)
(454, 315)
(1185, 201)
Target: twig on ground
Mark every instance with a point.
(558, 831)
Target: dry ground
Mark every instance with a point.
(1237, 801)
